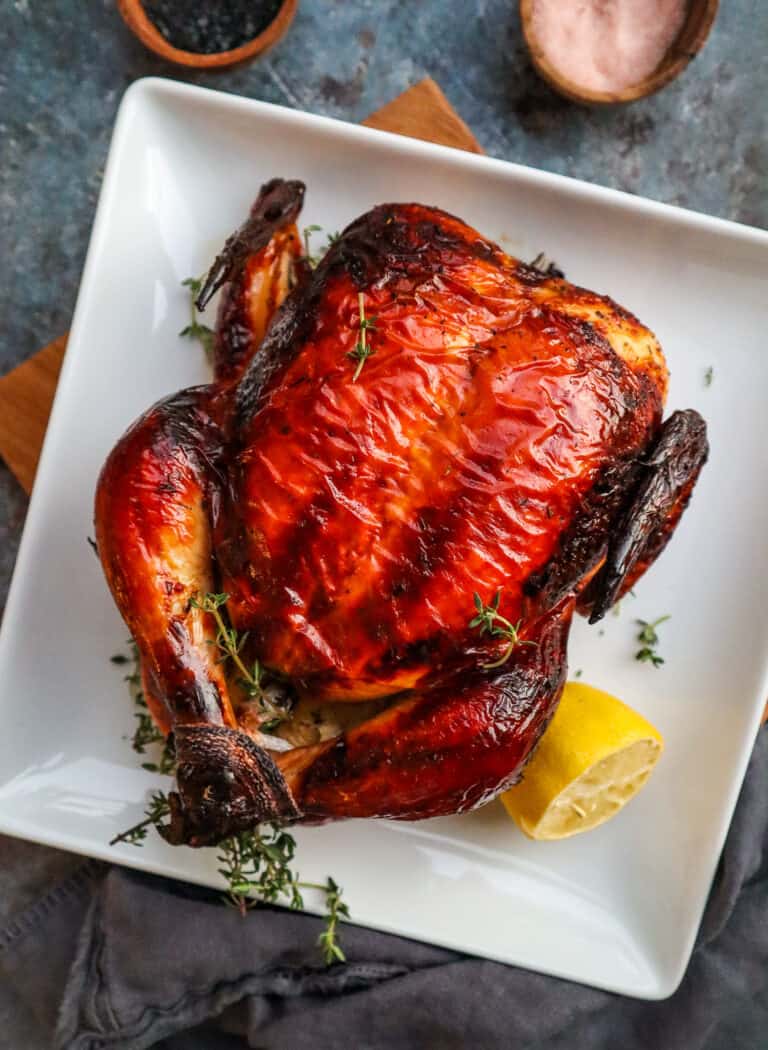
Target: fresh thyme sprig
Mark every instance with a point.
(196, 330)
(314, 260)
(256, 863)
(146, 733)
(490, 621)
(363, 349)
(230, 643)
(228, 640)
(649, 639)
(709, 375)
(335, 908)
(306, 233)
(157, 811)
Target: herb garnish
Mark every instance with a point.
(649, 639)
(258, 863)
(314, 260)
(306, 234)
(335, 907)
(255, 863)
(157, 811)
(196, 330)
(363, 349)
(146, 733)
(490, 621)
(230, 643)
(709, 375)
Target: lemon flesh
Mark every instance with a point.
(595, 756)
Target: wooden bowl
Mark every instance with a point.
(139, 23)
(690, 40)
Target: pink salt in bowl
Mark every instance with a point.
(603, 52)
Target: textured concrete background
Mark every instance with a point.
(701, 143)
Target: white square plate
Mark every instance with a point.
(617, 908)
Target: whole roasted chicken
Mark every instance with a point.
(414, 462)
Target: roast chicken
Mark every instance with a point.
(415, 461)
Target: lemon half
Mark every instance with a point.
(595, 756)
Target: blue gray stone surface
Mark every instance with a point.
(702, 143)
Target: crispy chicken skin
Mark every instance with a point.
(504, 435)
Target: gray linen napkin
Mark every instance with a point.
(160, 964)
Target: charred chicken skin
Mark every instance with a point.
(418, 427)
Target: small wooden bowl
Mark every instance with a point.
(690, 40)
(135, 17)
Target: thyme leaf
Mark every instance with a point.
(649, 639)
(146, 734)
(490, 621)
(306, 234)
(196, 330)
(328, 939)
(158, 809)
(363, 349)
(313, 261)
(230, 643)
(258, 862)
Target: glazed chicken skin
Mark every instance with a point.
(418, 427)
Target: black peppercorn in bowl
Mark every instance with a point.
(208, 35)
